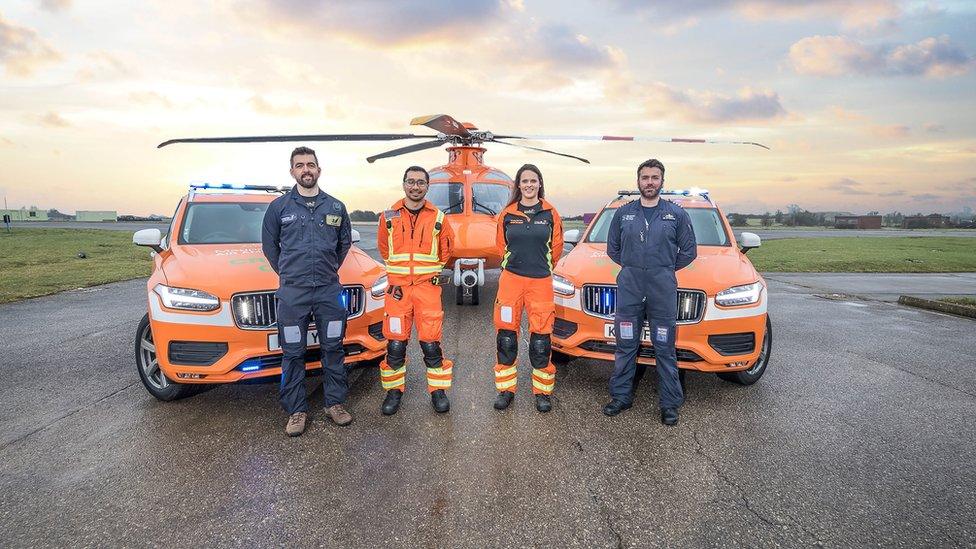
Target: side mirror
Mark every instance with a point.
(355, 236)
(748, 241)
(148, 237)
(572, 236)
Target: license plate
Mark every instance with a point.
(610, 333)
(311, 340)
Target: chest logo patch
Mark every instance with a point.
(288, 218)
(391, 214)
(668, 217)
(333, 220)
(628, 217)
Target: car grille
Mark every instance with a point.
(311, 355)
(258, 310)
(600, 300)
(733, 344)
(646, 350)
(195, 353)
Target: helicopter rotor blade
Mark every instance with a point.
(540, 150)
(442, 123)
(633, 138)
(311, 137)
(405, 150)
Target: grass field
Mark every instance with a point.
(36, 262)
(867, 255)
(968, 301)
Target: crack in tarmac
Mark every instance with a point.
(5, 445)
(700, 450)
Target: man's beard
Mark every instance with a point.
(650, 193)
(313, 181)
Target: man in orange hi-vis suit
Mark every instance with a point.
(415, 242)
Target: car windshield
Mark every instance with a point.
(223, 223)
(707, 222)
(448, 197)
(490, 198)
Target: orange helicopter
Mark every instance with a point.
(469, 192)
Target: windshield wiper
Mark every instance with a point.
(450, 208)
(479, 204)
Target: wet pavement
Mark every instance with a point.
(860, 433)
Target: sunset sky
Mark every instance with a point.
(869, 107)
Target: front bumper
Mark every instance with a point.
(198, 340)
(717, 343)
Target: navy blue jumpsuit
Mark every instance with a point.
(305, 246)
(649, 251)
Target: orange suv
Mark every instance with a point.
(211, 296)
(723, 326)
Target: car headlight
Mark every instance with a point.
(186, 299)
(562, 286)
(740, 295)
(379, 287)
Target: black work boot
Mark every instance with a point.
(614, 407)
(542, 403)
(503, 399)
(669, 416)
(392, 402)
(439, 399)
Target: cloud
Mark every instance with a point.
(103, 66)
(845, 115)
(22, 51)
(893, 131)
(554, 56)
(52, 119)
(932, 127)
(389, 23)
(892, 193)
(150, 98)
(846, 186)
(861, 14)
(747, 105)
(926, 196)
(841, 55)
(262, 106)
(55, 5)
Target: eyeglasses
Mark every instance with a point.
(415, 182)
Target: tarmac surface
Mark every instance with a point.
(860, 433)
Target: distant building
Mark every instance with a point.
(857, 221)
(92, 215)
(931, 221)
(25, 214)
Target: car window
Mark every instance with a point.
(490, 198)
(448, 197)
(709, 230)
(222, 223)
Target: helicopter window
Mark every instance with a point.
(448, 197)
(707, 223)
(489, 198)
(496, 175)
(222, 223)
(438, 174)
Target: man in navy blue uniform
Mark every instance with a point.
(306, 237)
(650, 239)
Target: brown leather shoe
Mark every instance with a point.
(339, 415)
(296, 424)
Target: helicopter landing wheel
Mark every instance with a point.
(470, 295)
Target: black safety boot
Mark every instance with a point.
(614, 407)
(669, 416)
(439, 399)
(392, 402)
(503, 399)
(542, 403)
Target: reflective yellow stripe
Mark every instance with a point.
(387, 375)
(392, 373)
(396, 258)
(442, 383)
(423, 257)
(543, 386)
(501, 386)
(542, 374)
(506, 372)
(432, 256)
(398, 270)
(387, 385)
(440, 371)
(427, 270)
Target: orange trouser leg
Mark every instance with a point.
(507, 316)
(426, 300)
(542, 314)
(397, 321)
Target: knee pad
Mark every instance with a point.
(432, 353)
(507, 345)
(396, 353)
(540, 348)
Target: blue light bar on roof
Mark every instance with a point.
(236, 187)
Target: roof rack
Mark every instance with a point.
(236, 187)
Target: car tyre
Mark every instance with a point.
(752, 375)
(147, 365)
